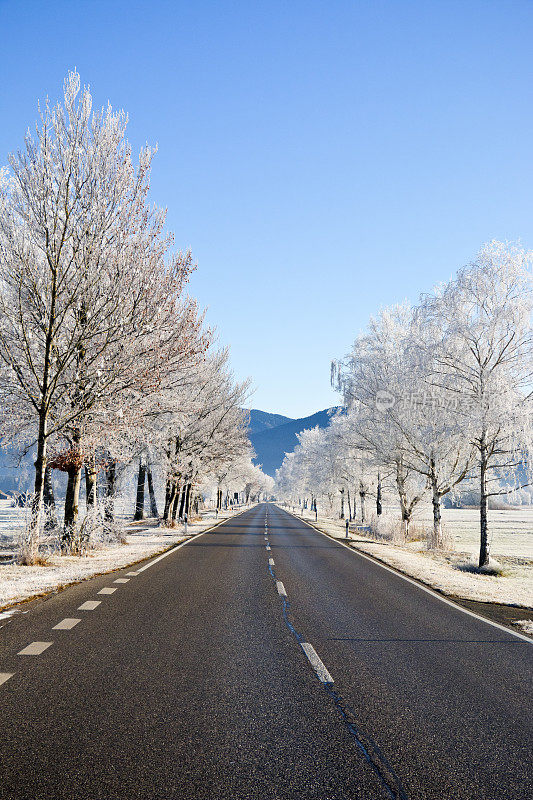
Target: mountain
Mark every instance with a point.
(16, 473)
(273, 442)
(263, 421)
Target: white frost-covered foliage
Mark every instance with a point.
(103, 355)
(435, 396)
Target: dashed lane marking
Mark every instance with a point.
(268, 547)
(35, 649)
(318, 665)
(66, 624)
(281, 589)
(271, 562)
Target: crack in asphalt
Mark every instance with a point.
(372, 754)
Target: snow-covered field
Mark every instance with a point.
(143, 540)
(511, 530)
(512, 547)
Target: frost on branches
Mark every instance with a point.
(103, 357)
(436, 397)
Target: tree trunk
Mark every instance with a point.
(170, 512)
(406, 512)
(48, 489)
(188, 500)
(168, 499)
(72, 501)
(153, 504)
(342, 503)
(176, 502)
(362, 498)
(139, 502)
(40, 461)
(182, 500)
(90, 485)
(437, 541)
(484, 549)
(109, 507)
(349, 505)
(379, 505)
(437, 521)
(38, 489)
(49, 500)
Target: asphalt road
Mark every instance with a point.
(197, 678)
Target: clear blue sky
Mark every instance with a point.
(321, 159)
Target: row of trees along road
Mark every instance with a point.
(103, 355)
(437, 397)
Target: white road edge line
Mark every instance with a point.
(5, 676)
(35, 649)
(415, 583)
(182, 544)
(281, 589)
(318, 665)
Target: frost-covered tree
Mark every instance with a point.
(482, 342)
(444, 389)
(405, 414)
(371, 378)
(89, 292)
(205, 431)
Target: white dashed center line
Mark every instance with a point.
(35, 649)
(90, 605)
(5, 676)
(107, 590)
(281, 589)
(271, 562)
(66, 624)
(318, 666)
(131, 574)
(122, 580)
(268, 547)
